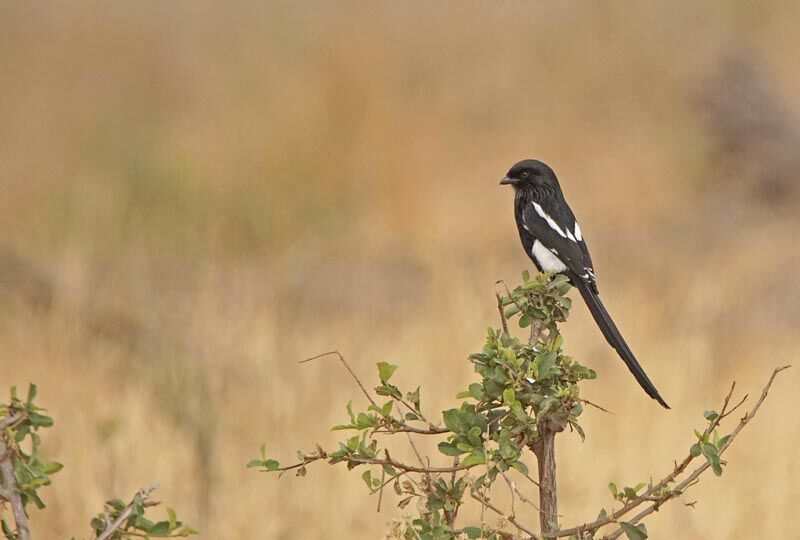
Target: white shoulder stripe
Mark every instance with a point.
(578, 234)
(550, 221)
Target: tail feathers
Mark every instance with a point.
(615, 339)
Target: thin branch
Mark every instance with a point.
(11, 420)
(432, 430)
(9, 483)
(502, 312)
(344, 362)
(380, 493)
(144, 494)
(692, 478)
(595, 405)
(514, 490)
(374, 461)
(511, 519)
(648, 495)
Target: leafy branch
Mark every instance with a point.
(526, 393)
(23, 473)
(120, 521)
(708, 444)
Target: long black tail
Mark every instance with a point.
(613, 336)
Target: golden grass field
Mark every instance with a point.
(213, 193)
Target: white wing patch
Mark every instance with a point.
(546, 259)
(553, 225)
(550, 221)
(578, 234)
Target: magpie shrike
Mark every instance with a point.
(554, 242)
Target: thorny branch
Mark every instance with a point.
(649, 494)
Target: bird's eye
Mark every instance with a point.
(525, 174)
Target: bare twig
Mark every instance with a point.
(9, 483)
(595, 405)
(511, 519)
(380, 492)
(503, 320)
(432, 430)
(144, 494)
(658, 500)
(515, 490)
(347, 366)
(405, 428)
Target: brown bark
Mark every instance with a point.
(545, 449)
(9, 482)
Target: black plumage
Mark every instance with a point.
(554, 241)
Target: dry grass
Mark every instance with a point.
(218, 192)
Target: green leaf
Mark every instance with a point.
(520, 466)
(473, 459)
(695, 451)
(385, 371)
(546, 363)
(449, 449)
(710, 415)
(159, 529)
(173, 518)
(31, 393)
(40, 420)
(612, 487)
(51, 467)
(367, 478)
(525, 320)
(472, 532)
(186, 530)
(634, 532)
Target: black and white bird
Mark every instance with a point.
(554, 241)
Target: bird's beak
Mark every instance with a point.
(507, 180)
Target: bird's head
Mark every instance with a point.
(530, 173)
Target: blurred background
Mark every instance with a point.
(197, 196)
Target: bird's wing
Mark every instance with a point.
(555, 227)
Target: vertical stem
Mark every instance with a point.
(545, 449)
(9, 482)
